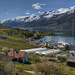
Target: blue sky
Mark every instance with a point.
(14, 8)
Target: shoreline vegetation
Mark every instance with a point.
(35, 34)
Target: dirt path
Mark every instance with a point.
(32, 72)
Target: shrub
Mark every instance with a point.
(47, 68)
(38, 36)
(52, 59)
(51, 55)
(34, 59)
(67, 47)
(4, 70)
(17, 29)
(6, 50)
(28, 34)
(62, 59)
(1, 68)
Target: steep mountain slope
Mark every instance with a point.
(12, 38)
(66, 21)
(62, 18)
(18, 21)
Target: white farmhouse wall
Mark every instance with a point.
(25, 58)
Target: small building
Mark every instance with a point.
(71, 58)
(20, 56)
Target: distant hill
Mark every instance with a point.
(63, 18)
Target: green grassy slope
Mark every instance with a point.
(14, 40)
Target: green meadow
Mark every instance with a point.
(14, 40)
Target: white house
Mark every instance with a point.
(20, 56)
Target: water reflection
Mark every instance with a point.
(59, 38)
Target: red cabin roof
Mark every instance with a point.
(16, 54)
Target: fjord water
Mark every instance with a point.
(66, 36)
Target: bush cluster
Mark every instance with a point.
(47, 68)
(34, 59)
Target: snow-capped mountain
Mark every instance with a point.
(47, 16)
(22, 19)
(60, 11)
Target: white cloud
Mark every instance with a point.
(39, 12)
(42, 4)
(28, 12)
(38, 5)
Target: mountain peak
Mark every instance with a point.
(59, 11)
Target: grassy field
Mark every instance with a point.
(36, 59)
(14, 40)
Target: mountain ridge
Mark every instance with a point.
(47, 19)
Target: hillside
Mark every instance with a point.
(10, 37)
(18, 38)
(64, 22)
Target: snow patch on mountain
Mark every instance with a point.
(3, 21)
(59, 11)
(22, 19)
(32, 18)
